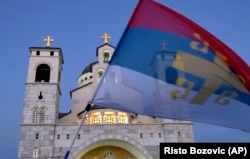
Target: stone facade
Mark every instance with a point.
(46, 133)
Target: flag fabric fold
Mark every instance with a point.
(167, 66)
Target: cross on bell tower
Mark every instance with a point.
(48, 41)
(106, 38)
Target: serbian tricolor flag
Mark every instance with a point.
(167, 66)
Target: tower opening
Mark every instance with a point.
(43, 73)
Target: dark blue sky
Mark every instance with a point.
(76, 27)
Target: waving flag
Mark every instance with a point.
(167, 66)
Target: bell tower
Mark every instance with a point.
(43, 84)
(41, 105)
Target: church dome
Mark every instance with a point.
(88, 68)
(86, 75)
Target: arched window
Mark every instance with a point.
(99, 74)
(106, 56)
(96, 119)
(122, 118)
(35, 115)
(38, 114)
(35, 153)
(86, 120)
(43, 73)
(42, 115)
(109, 118)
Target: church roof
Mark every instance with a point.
(102, 46)
(79, 88)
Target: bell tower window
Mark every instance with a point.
(43, 73)
(51, 53)
(42, 115)
(35, 115)
(106, 57)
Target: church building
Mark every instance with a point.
(47, 133)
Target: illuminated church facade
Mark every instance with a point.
(106, 134)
